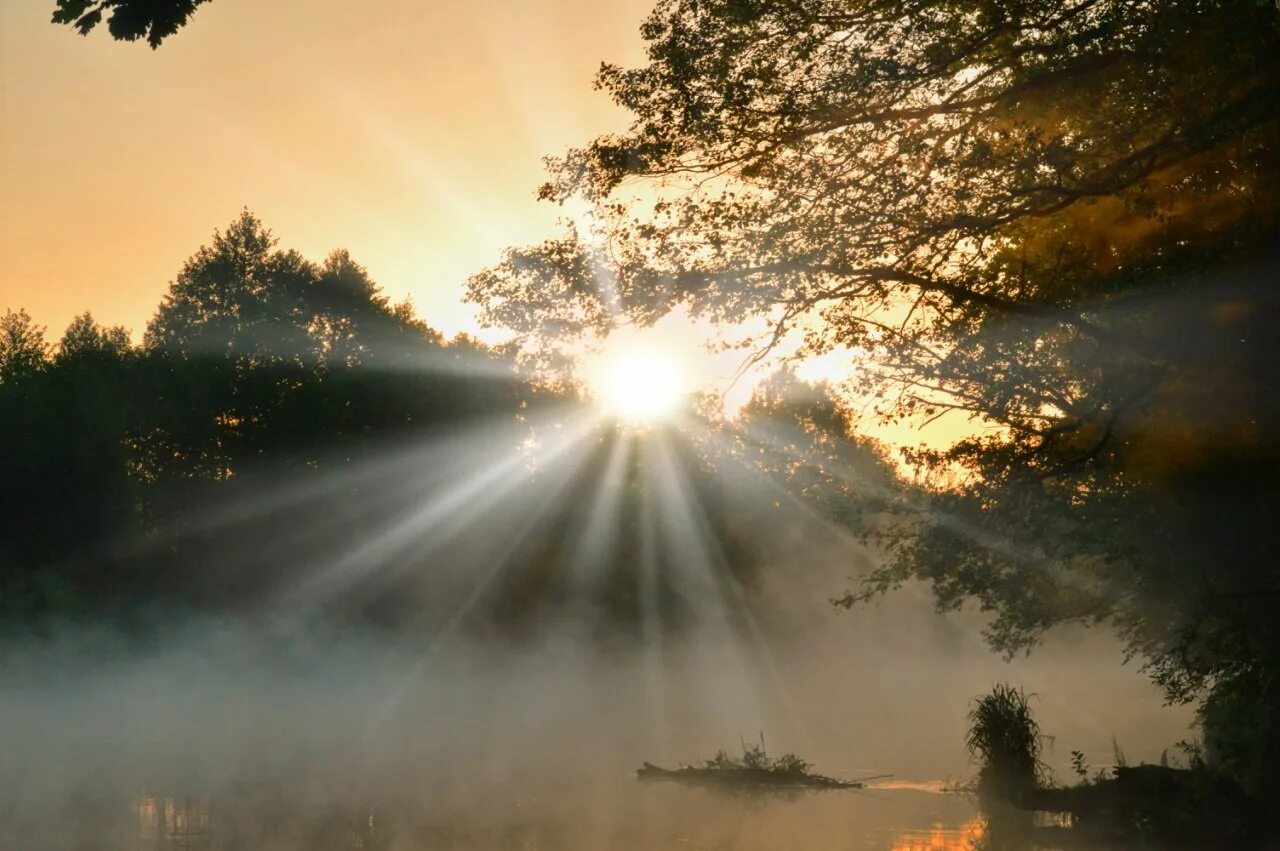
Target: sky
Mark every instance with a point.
(410, 133)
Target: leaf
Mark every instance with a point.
(89, 21)
(70, 10)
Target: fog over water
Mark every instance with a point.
(262, 733)
(494, 706)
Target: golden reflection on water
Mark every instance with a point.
(941, 838)
(894, 820)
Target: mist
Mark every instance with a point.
(270, 731)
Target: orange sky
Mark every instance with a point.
(408, 132)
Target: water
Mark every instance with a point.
(222, 736)
(640, 816)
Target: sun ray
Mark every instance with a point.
(731, 597)
(691, 568)
(551, 499)
(599, 535)
(652, 627)
(432, 523)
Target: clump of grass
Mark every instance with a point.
(1006, 742)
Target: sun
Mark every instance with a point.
(639, 383)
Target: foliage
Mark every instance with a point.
(23, 350)
(1006, 741)
(1079, 765)
(1240, 733)
(963, 158)
(128, 20)
(259, 368)
(1057, 219)
(755, 758)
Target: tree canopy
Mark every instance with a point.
(967, 159)
(259, 367)
(1058, 218)
(128, 20)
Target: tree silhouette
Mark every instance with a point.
(23, 350)
(259, 367)
(128, 20)
(1056, 218)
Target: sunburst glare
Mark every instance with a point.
(640, 383)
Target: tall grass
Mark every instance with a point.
(1005, 740)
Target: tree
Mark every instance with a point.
(23, 350)
(65, 422)
(238, 297)
(128, 20)
(85, 338)
(1056, 218)
(963, 158)
(268, 389)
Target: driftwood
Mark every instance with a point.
(745, 778)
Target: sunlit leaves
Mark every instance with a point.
(1029, 214)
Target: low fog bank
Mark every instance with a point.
(463, 730)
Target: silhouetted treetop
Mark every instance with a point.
(128, 20)
(237, 295)
(86, 338)
(23, 349)
(241, 296)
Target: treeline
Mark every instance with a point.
(259, 367)
(285, 438)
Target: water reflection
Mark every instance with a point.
(942, 838)
(631, 817)
(180, 824)
(237, 822)
(622, 816)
